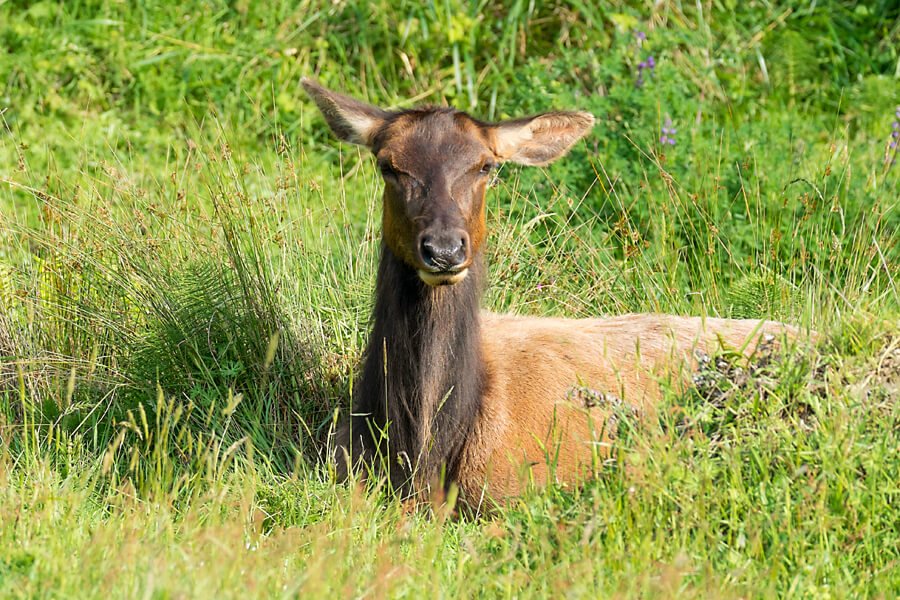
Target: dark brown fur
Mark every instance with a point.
(422, 377)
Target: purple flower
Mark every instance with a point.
(895, 130)
(668, 132)
(891, 153)
(644, 65)
(640, 35)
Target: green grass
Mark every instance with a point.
(187, 260)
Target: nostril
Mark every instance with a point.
(428, 250)
(461, 251)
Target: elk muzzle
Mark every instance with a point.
(444, 255)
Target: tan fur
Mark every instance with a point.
(531, 418)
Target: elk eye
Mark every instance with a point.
(486, 168)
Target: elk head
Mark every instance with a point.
(436, 163)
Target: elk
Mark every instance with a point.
(450, 394)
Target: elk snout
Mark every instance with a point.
(444, 255)
(446, 251)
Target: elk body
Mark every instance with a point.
(452, 394)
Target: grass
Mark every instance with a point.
(187, 259)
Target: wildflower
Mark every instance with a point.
(640, 35)
(645, 65)
(895, 130)
(668, 132)
(890, 154)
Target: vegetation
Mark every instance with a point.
(187, 258)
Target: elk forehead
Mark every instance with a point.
(430, 142)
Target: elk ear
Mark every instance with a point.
(350, 120)
(541, 139)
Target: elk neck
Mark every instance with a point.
(423, 373)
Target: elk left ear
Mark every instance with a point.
(541, 139)
(350, 119)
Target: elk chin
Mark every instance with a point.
(438, 279)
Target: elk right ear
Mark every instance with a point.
(350, 120)
(541, 139)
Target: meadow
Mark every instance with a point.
(187, 259)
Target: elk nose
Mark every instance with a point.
(444, 251)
